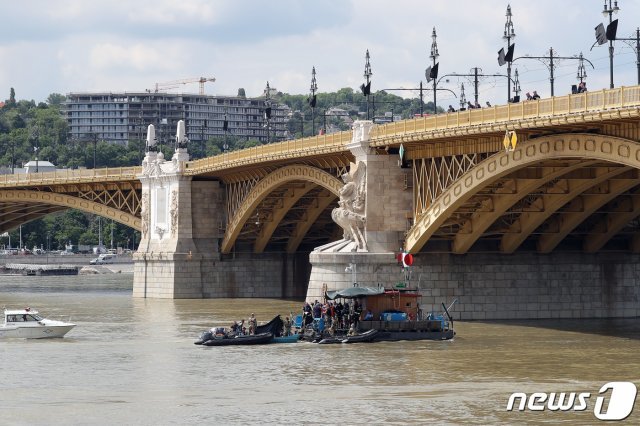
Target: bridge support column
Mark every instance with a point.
(387, 206)
(179, 244)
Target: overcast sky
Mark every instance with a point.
(67, 46)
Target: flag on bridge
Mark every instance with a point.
(501, 60)
(601, 35)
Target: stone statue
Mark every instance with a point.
(144, 214)
(351, 213)
(174, 212)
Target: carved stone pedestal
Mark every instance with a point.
(372, 211)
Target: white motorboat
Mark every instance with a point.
(27, 324)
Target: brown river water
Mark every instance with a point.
(133, 362)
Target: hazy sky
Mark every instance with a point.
(115, 45)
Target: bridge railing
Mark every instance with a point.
(555, 106)
(70, 176)
(321, 144)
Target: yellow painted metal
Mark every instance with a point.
(41, 197)
(265, 186)
(587, 106)
(480, 220)
(69, 176)
(579, 146)
(289, 199)
(312, 215)
(589, 203)
(549, 203)
(280, 151)
(609, 226)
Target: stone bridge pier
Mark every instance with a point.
(373, 210)
(179, 245)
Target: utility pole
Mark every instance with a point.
(551, 65)
(434, 57)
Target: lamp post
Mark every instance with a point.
(516, 85)
(475, 73)
(463, 99)
(225, 129)
(354, 273)
(582, 71)
(366, 87)
(548, 61)
(34, 135)
(608, 10)
(420, 89)
(267, 111)
(508, 34)
(434, 56)
(312, 100)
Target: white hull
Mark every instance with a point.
(37, 332)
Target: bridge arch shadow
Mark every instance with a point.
(613, 164)
(309, 177)
(42, 203)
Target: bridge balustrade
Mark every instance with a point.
(555, 106)
(321, 144)
(70, 176)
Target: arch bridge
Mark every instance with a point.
(570, 181)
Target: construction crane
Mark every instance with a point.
(176, 83)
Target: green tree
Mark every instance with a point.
(56, 99)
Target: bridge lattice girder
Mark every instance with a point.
(291, 183)
(36, 204)
(547, 186)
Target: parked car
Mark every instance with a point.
(103, 259)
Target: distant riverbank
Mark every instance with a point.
(121, 263)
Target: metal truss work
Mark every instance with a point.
(264, 187)
(595, 166)
(42, 199)
(432, 176)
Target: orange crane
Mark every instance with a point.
(176, 83)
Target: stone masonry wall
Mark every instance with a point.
(492, 286)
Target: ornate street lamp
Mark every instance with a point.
(267, 111)
(509, 33)
(312, 100)
(609, 10)
(463, 99)
(582, 71)
(434, 68)
(366, 87)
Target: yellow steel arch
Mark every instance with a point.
(268, 184)
(581, 146)
(41, 197)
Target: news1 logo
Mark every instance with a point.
(621, 400)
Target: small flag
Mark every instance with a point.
(427, 74)
(506, 142)
(612, 29)
(434, 71)
(501, 60)
(509, 56)
(366, 89)
(514, 140)
(601, 35)
(510, 140)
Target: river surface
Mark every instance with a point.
(133, 361)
